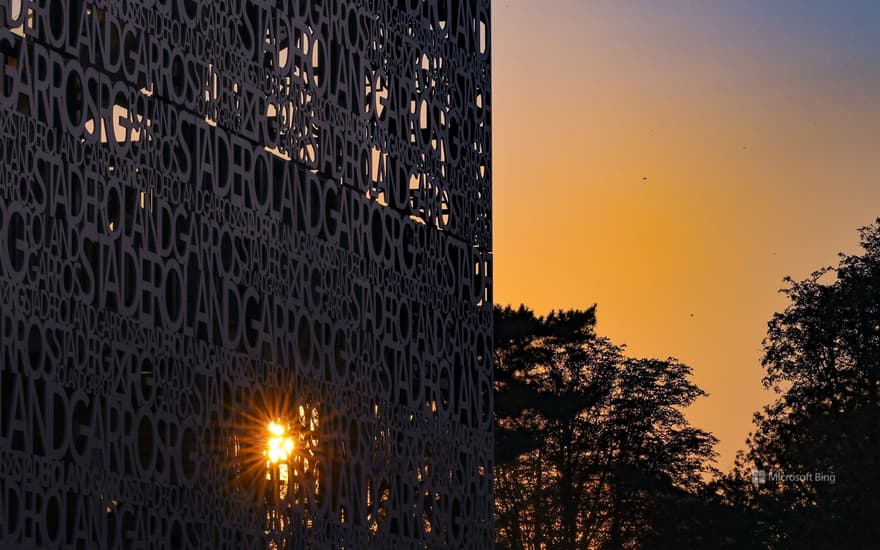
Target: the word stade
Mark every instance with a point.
(220, 214)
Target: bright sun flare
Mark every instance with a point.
(280, 444)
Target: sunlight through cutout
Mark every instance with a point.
(280, 444)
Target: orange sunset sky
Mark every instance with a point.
(757, 126)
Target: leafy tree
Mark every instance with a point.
(586, 438)
(822, 356)
(548, 372)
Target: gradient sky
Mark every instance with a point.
(757, 126)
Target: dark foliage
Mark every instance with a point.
(822, 356)
(592, 448)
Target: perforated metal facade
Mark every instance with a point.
(220, 214)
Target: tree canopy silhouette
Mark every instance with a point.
(588, 440)
(822, 356)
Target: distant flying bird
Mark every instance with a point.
(644, 178)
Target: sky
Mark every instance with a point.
(673, 161)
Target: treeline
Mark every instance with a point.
(593, 449)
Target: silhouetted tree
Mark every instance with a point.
(822, 356)
(549, 372)
(586, 438)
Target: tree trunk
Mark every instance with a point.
(537, 504)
